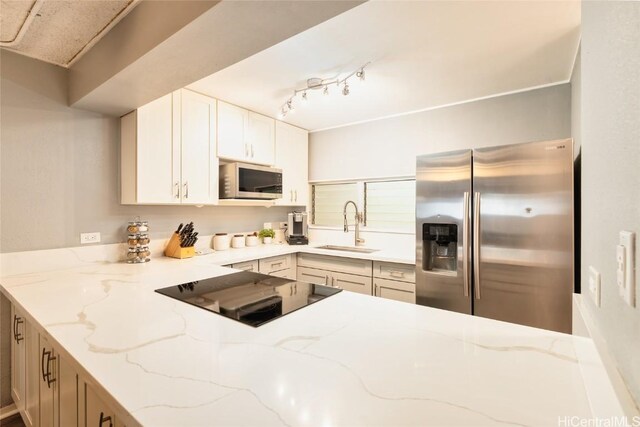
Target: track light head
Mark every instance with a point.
(304, 96)
(345, 89)
(360, 74)
(326, 90)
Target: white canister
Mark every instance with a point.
(267, 240)
(221, 241)
(237, 241)
(252, 240)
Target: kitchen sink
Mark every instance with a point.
(348, 249)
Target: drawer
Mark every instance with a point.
(351, 282)
(276, 263)
(289, 273)
(246, 266)
(395, 290)
(360, 267)
(313, 275)
(394, 271)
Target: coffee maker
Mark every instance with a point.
(297, 228)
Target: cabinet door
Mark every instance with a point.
(351, 282)
(158, 151)
(17, 358)
(399, 291)
(48, 379)
(32, 376)
(97, 413)
(274, 264)
(292, 156)
(232, 129)
(247, 266)
(313, 275)
(67, 394)
(261, 139)
(199, 161)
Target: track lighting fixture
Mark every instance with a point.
(318, 83)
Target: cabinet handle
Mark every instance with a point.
(16, 322)
(104, 419)
(246, 150)
(326, 280)
(276, 264)
(46, 367)
(295, 288)
(50, 378)
(290, 290)
(333, 279)
(375, 291)
(177, 187)
(186, 190)
(291, 198)
(396, 273)
(252, 151)
(296, 194)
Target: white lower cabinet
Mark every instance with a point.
(348, 282)
(395, 290)
(17, 359)
(351, 282)
(280, 266)
(97, 413)
(394, 281)
(31, 415)
(246, 266)
(45, 386)
(387, 280)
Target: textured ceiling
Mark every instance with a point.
(58, 31)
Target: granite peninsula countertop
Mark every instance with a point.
(348, 360)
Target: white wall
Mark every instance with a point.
(610, 128)
(388, 147)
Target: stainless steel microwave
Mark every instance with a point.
(247, 181)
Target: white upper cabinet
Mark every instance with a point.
(233, 123)
(168, 151)
(261, 139)
(199, 162)
(245, 136)
(292, 154)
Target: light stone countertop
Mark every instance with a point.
(348, 360)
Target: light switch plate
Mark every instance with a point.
(594, 285)
(89, 238)
(628, 267)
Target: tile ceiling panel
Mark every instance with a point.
(61, 29)
(12, 15)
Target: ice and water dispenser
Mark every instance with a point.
(440, 248)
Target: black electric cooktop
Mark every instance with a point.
(251, 298)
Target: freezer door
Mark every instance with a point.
(523, 233)
(443, 203)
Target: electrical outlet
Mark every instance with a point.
(86, 238)
(267, 225)
(594, 285)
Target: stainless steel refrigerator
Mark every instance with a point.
(494, 232)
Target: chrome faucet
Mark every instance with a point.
(359, 219)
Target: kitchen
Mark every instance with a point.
(91, 145)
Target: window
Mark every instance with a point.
(390, 205)
(328, 201)
(387, 205)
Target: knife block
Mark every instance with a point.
(174, 250)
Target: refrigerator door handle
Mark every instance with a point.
(465, 244)
(476, 243)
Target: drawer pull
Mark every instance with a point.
(104, 419)
(17, 321)
(395, 273)
(276, 264)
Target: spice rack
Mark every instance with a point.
(138, 241)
